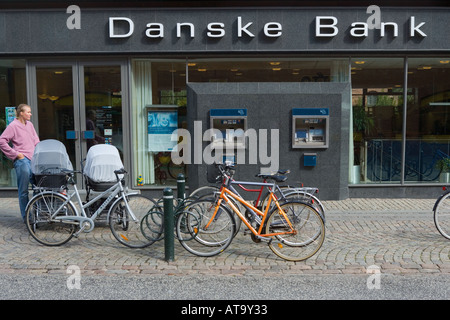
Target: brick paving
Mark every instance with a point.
(396, 235)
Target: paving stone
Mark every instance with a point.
(397, 235)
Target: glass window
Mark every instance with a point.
(268, 70)
(428, 120)
(158, 91)
(377, 99)
(13, 91)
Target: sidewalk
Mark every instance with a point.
(396, 235)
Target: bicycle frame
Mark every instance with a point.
(113, 191)
(228, 190)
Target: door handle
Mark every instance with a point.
(71, 134)
(88, 134)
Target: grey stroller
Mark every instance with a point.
(50, 164)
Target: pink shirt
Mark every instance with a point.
(23, 138)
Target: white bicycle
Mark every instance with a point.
(53, 219)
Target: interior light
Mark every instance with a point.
(201, 69)
(275, 63)
(276, 69)
(360, 62)
(444, 61)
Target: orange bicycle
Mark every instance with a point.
(294, 230)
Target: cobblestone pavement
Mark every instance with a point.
(396, 235)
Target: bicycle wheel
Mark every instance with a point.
(42, 222)
(237, 204)
(309, 227)
(204, 191)
(442, 215)
(125, 229)
(308, 198)
(296, 194)
(152, 225)
(175, 169)
(203, 233)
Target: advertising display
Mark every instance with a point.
(161, 123)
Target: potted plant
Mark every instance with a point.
(444, 166)
(363, 124)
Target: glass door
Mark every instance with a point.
(101, 101)
(56, 113)
(80, 104)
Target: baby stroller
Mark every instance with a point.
(98, 171)
(50, 164)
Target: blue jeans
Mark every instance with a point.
(24, 176)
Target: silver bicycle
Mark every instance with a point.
(441, 211)
(53, 219)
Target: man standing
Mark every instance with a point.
(23, 137)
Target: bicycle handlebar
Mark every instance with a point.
(226, 168)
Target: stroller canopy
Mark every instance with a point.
(50, 157)
(101, 161)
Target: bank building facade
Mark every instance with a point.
(353, 99)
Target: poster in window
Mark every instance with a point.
(161, 124)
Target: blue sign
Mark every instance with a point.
(310, 112)
(228, 112)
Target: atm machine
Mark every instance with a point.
(230, 126)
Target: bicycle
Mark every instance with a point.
(305, 194)
(152, 225)
(441, 215)
(53, 219)
(293, 230)
(163, 160)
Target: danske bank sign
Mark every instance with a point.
(325, 27)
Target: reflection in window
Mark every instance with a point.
(377, 99)
(156, 83)
(428, 121)
(13, 91)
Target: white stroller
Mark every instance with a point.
(98, 171)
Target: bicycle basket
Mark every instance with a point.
(51, 181)
(213, 174)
